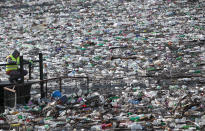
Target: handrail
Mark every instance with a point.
(25, 63)
(56, 78)
(51, 79)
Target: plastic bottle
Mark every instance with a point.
(102, 99)
(96, 128)
(134, 118)
(135, 127)
(106, 125)
(134, 101)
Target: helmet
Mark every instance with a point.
(16, 53)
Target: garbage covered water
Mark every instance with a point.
(144, 60)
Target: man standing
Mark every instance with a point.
(13, 70)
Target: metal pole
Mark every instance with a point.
(21, 69)
(2, 106)
(29, 71)
(41, 74)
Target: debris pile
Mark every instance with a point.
(154, 49)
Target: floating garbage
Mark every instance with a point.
(144, 61)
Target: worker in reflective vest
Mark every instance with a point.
(13, 70)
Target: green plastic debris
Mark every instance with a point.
(51, 29)
(151, 69)
(137, 120)
(48, 118)
(92, 65)
(134, 89)
(134, 118)
(97, 58)
(46, 126)
(181, 35)
(100, 44)
(129, 113)
(82, 48)
(86, 45)
(117, 38)
(145, 38)
(186, 127)
(159, 87)
(20, 116)
(173, 87)
(197, 128)
(179, 58)
(39, 108)
(150, 106)
(26, 107)
(197, 71)
(163, 123)
(114, 98)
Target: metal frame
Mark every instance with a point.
(41, 81)
(51, 79)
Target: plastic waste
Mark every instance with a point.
(56, 94)
(144, 60)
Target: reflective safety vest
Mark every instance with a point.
(13, 67)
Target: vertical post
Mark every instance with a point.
(21, 69)
(29, 71)
(2, 107)
(41, 74)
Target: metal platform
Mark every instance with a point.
(7, 98)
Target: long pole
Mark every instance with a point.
(2, 107)
(21, 69)
(41, 74)
(29, 71)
